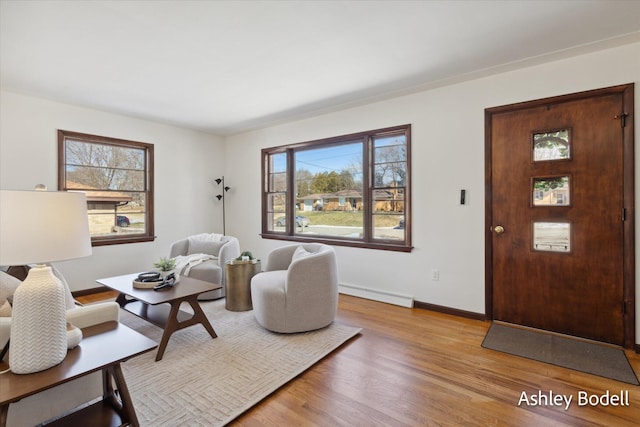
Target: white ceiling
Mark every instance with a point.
(228, 66)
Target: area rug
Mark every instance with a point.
(579, 355)
(208, 382)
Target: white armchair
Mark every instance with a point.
(35, 409)
(298, 291)
(213, 270)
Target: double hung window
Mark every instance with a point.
(351, 190)
(117, 177)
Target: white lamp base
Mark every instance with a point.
(38, 323)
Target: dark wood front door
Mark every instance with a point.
(560, 214)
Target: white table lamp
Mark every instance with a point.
(37, 227)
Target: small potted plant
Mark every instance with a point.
(166, 266)
(245, 256)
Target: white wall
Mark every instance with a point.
(447, 155)
(186, 162)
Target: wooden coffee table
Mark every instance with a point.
(162, 308)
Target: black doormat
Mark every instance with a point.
(585, 356)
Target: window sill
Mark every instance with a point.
(121, 240)
(385, 246)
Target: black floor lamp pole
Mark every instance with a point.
(221, 197)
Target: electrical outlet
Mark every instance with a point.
(435, 275)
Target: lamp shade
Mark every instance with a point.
(41, 226)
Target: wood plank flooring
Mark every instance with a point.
(413, 367)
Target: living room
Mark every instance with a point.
(448, 154)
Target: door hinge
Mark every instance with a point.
(624, 214)
(623, 119)
(624, 308)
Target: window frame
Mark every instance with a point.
(149, 234)
(368, 241)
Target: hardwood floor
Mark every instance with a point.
(412, 367)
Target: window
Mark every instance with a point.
(552, 236)
(550, 191)
(554, 145)
(117, 177)
(350, 190)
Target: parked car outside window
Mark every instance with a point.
(122, 221)
(301, 221)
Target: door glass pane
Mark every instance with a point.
(552, 191)
(552, 236)
(553, 145)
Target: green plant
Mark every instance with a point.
(165, 264)
(243, 254)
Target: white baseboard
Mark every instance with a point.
(376, 295)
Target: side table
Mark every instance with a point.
(103, 348)
(238, 276)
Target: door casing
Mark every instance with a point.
(627, 123)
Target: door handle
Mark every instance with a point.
(498, 229)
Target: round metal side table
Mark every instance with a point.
(238, 283)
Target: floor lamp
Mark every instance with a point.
(221, 197)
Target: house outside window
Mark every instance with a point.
(351, 190)
(117, 177)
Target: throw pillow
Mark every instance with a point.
(300, 253)
(68, 298)
(212, 237)
(200, 246)
(5, 310)
(8, 285)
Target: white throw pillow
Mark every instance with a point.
(8, 285)
(212, 237)
(300, 253)
(5, 310)
(68, 298)
(200, 246)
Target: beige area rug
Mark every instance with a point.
(208, 382)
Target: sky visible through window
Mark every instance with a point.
(332, 159)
